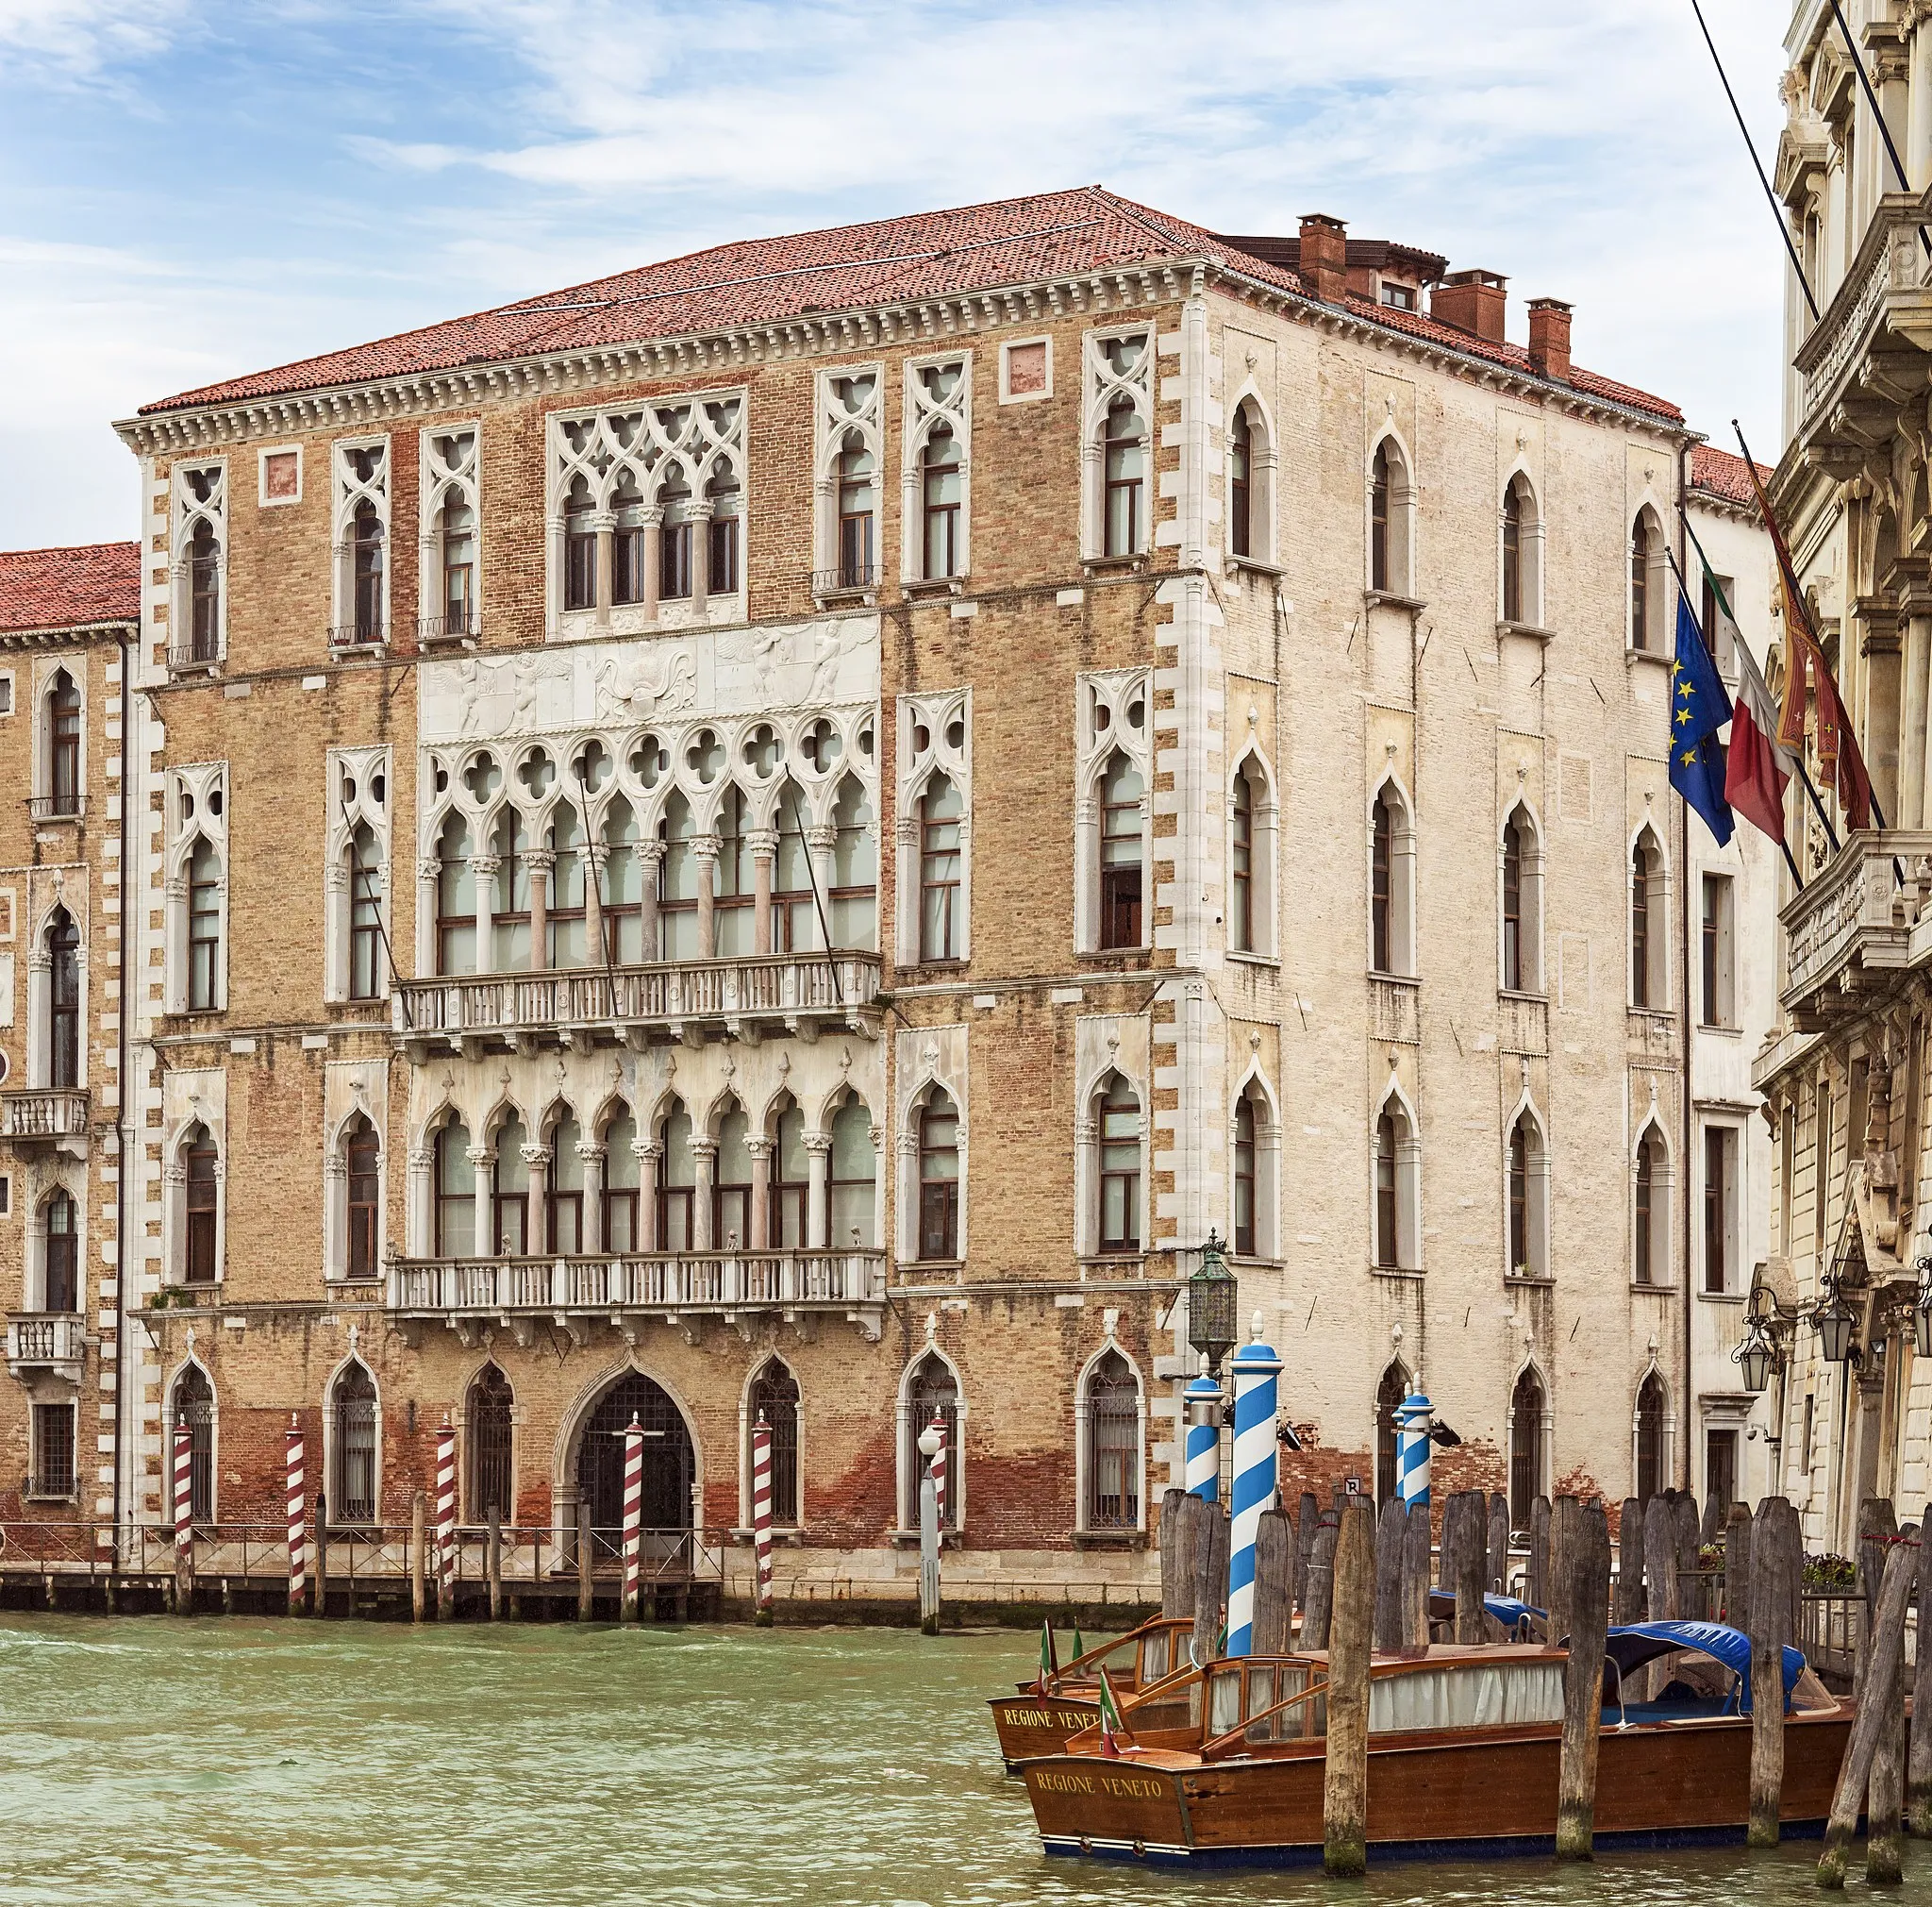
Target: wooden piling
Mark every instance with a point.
(1472, 1567)
(1211, 1581)
(1316, 1617)
(1496, 1566)
(1273, 1582)
(1689, 1540)
(1190, 1515)
(1415, 1579)
(1659, 1559)
(1391, 1528)
(319, 1609)
(1171, 1572)
(1540, 1553)
(1308, 1520)
(1736, 1611)
(1566, 1538)
(419, 1530)
(1775, 1556)
(493, 1562)
(1885, 1790)
(1712, 1527)
(1630, 1561)
(1345, 1775)
(586, 1563)
(1586, 1557)
(1919, 1761)
(1884, 1681)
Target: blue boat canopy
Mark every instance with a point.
(1634, 1643)
(1506, 1610)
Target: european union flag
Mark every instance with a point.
(1700, 706)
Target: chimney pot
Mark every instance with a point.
(1549, 339)
(1473, 301)
(1324, 257)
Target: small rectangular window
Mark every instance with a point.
(6, 1196)
(1719, 1000)
(1720, 1209)
(6, 694)
(52, 1450)
(1720, 631)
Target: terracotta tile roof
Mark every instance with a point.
(771, 282)
(1723, 475)
(68, 588)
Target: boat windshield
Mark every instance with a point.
(1467, 1695)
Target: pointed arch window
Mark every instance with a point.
(565, 920)
(939, 1178)
(1240, 459)
(1521, 905)
(61, 1254)
(940, 814)
(858, 480)
(731, 1182)
(1391, 502)
(773, 1400)
(1113, 1446)
(1379, 506)
(492, 1433)
(932, 1390)
(790, 1195)
(1522, 538)
(367, 537)
(677, 1182)
(732, 925)
(1387, 1255)
(456, 901)
(580, 548)
(1125, 452)
(622, 1182)
(204, 928)
(200, 1160)
(855, 869)
(677, 882)
(1645, 1262)
(629, 542)
(563, 1191)
(192, 1405)
(623, 893)
(367, 969)
(1528, 1411)
(852, 1192)
(721, 536)
(63, 1000)
(362, 1157)
(1649, 924)
(509, 1192)
(459, 554)
(1244, 1176)
(1119, 1114)
(1647, 584)
(204, 595)
(1392, 884)
(1121, 854)
(1389, 1395)
(352, 1496)
(454, 1217)
(1528, 1199)
(674, 538)
(795, 909)
(1397, 1166)
(1512, 555)
(941, 488)
(509, 911)
(1650, 1438)
(1241, 923)
(63, 745)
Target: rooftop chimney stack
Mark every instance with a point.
(1549, 339)
(1324, 257)
(1473, 302)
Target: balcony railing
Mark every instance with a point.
(845, 579)
(42, 1340)
(1852, 927)
(57, 807)
(666, 1283)
(364, 633)
(43, 1112)
(457, 627)
(198, 654)
(767, 991)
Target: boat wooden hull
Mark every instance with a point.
(1471, 1794)
(1034, 1725)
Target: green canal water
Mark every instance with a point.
(145, 1761)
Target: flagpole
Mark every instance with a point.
(1905, 185)
(1784, 231)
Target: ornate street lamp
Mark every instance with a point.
(1212, 1304)
(1836, 1327)
(1754, 1359)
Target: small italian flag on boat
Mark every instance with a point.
(1049, 1660)
(1111, 1727)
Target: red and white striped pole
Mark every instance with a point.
(761, 1514)
(298, 1560)
(446, 1518)
(939, 1469)
(633, 1517)
(184, 1517)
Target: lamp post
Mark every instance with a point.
(1837, 1327)
(1212, 1305)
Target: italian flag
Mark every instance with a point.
(1111, 1727)
(1049, 1665)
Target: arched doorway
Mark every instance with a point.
(1650, 1438)
(670, 1463)
(1527, 1408)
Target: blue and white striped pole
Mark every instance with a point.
(1412, 1418)
(1204, 1438)
(1255, 1368)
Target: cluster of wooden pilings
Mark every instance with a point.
(1349, 1579)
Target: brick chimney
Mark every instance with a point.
(1473, 302)
(1324, 257)
(1549, 339)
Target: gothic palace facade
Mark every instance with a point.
(791, 831)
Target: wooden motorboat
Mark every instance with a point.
(1044, 1713)
(1226, 1765)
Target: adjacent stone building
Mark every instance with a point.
(788, 833)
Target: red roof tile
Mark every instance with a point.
(774, 282)
(69, 589)
(1723, 475)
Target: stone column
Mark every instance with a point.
(654, 547)
(705, 852)
(482, 1162)
(763, 843)
(592, 1155)
(822, 841)
(428, 886)
(595, 854)
(650, 864)
(648, 1153)
(536, 1202)
(539, 861)
(1912, 731)
(704, 1155)
(757, 1147)
(700, 560)
(818, 1172)
(485, 867)
(419, 1237)
(605, 524)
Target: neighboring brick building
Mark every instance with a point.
(1206, 703)
(68, 621)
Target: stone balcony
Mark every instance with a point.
(745, 998)
(469, 1294)
(38, 1342)
(1852, 928)
(36, 1116)
(1865, 362)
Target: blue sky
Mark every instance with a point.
(191, 193)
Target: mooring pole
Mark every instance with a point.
(1345, 1776)
(1273, 1590)
(1772, 1563)
(1919, 1765)
(493, 1563)
(419, 1537)
(1586, 1557)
